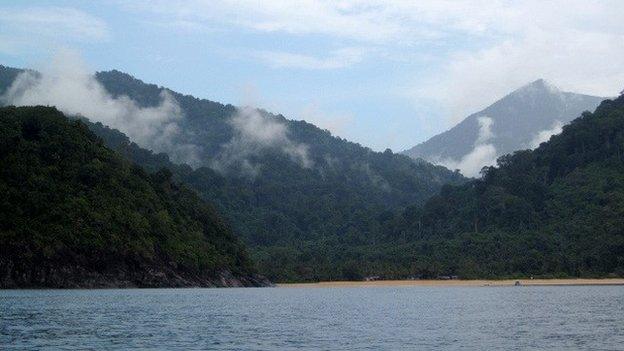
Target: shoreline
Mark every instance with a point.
(458, 283)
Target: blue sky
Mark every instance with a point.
(384, 74)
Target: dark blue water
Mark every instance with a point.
(401, 318)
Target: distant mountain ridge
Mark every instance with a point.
(516, 121)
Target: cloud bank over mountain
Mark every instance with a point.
(68, 85)
(483, 154)
(522, 119)
(253, 134)
(544, 135)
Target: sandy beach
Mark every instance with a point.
(451, 283)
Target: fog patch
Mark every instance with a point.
(68, 85)
(483, 153)
(376, 179)
(544, 135)
(253, 134)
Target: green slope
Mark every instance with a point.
(286, 210)
(74, 213)
(554, 211)
(300, 223)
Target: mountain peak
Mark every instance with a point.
(539, 82)
(538, 86)
(517, 119)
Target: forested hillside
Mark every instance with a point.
(74, 213)
(283, 256)
(288, 200)
(554, 211)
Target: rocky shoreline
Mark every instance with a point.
(77, 277)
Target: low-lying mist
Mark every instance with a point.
(254, 133)
(482, 154)
(544, 135)
(68, 85)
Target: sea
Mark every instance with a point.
(313, 318)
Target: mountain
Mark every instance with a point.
(7, 77)
(555, 211)
(75, 214)
(298, 196)
(518, 121)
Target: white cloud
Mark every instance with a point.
(26, 30)
(481, 49)
(544, 135)
(485, 130)
(471, 164)
(576, 45)
(337, 59)
(254, 133)
(384, 21)
(60, 23)
(345, 19)
(69, 86)
(483, 154)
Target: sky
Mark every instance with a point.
(386, 74)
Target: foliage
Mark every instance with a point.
(554, 211)
(286, 209)
(67, 200)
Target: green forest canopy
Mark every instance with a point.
(67, 201)
(286, 211)
(554, 211)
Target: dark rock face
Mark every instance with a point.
(49, 275)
